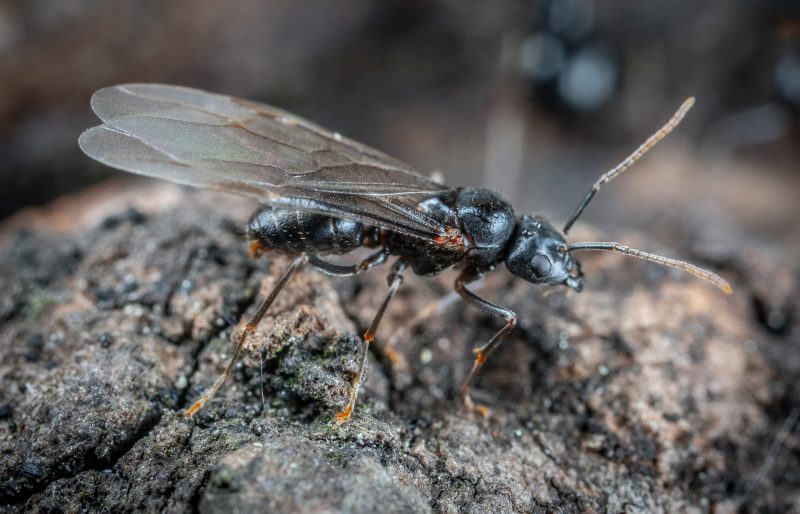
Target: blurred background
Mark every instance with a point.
(532, 98)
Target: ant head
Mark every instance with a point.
(539, 253)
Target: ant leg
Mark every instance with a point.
(337, 270)
(482, 352)
(251, 326)
(395, 279)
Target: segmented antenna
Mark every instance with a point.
(658, 259)
(635, 156)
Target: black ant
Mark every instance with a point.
(326, 194)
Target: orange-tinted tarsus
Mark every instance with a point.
(256, 250)
(194, 408)
(483, 410)
(342, 416)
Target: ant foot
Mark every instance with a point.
(188, 413)
(343, 416)
(479, 409)
(476, 408)
(483, 410)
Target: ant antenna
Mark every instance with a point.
(635, 156)
(658, 259)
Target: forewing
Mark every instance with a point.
(220, 142)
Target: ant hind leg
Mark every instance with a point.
(251, 326)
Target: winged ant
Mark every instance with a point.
(325, 194)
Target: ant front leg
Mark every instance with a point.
(481, 353)
(395, 280)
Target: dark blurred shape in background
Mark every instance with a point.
(534, 99)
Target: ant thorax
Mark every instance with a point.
(485, 223)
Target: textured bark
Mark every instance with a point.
(648, 392)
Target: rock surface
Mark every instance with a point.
(649, 392)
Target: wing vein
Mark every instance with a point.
(229, 144)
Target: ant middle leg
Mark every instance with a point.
(338, 270)
(482, 352)
(395, 280)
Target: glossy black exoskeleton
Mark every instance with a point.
(531, 248)
(325, 194)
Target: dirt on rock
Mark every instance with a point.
(648, 392)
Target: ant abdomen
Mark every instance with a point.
(294, 231)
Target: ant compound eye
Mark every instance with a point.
(541, 265)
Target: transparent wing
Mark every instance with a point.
(220, 142)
